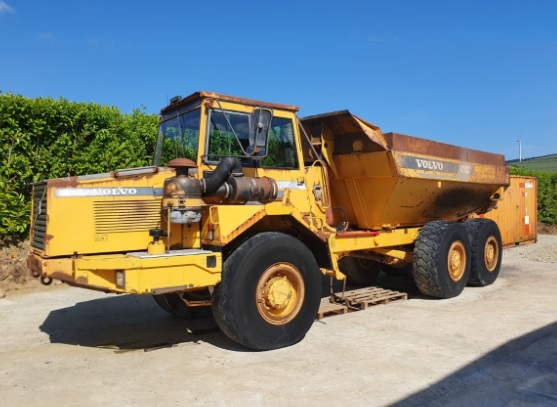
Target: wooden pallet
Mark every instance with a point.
(356, 300)
(328, 308)
(363, 298)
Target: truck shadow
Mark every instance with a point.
(522, 371)
(129, 322)
(135, 322)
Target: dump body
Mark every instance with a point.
(392, 180)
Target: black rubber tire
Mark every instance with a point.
(234, 306)
(486, 248)
(431, 259)
(174, 305)
(360, 271)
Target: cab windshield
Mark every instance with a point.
(178, 137)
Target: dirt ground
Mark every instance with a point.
(491, 346)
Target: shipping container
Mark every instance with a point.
(517, 213)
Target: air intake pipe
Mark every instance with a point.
(227, 166)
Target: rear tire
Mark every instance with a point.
(360, 271)
(442, 259)
(486, 249)
(174, 304)
(270, 292)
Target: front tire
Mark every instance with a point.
(442, 259)
(270, 292)
(486, 249)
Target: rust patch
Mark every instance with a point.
(416, 145)
(181, 162)
(225, 98)
(312, 221)
(348, 131)
(324, 236)
(34, 264)
(63, 182)
(305, 217)
(82, 281)
(47, 238)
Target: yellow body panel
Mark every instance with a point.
(144, 273)
(102, 213)
(227, 222)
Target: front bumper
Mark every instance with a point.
(137, 272)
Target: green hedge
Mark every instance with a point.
(547, 193)
(47, 138)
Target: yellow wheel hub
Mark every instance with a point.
(280, 293)
(491, 254)
(456, 261)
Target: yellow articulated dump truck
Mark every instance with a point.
(246, 207)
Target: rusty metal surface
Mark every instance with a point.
(181, 162)
(244, 189)
(227, 98)
(349, 132)
(403, 143)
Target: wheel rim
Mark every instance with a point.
(456, 263)
(491, 254)
(280, 293)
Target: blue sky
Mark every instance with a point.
(479, 74)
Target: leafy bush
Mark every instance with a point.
(47, 138)
(547, 193)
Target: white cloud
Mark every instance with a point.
(5, 8)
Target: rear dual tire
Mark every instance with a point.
(442, 259)
(448, 256)
(486, 248)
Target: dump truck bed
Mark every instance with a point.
(394, 180)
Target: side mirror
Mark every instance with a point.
(259, 133)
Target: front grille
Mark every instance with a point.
(126, 216)
(38, 225)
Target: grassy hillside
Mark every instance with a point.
(543, 163)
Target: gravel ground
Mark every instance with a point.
(545, 250)
(491, 346)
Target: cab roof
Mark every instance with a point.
(226, 98)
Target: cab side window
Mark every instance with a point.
(282, 148)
